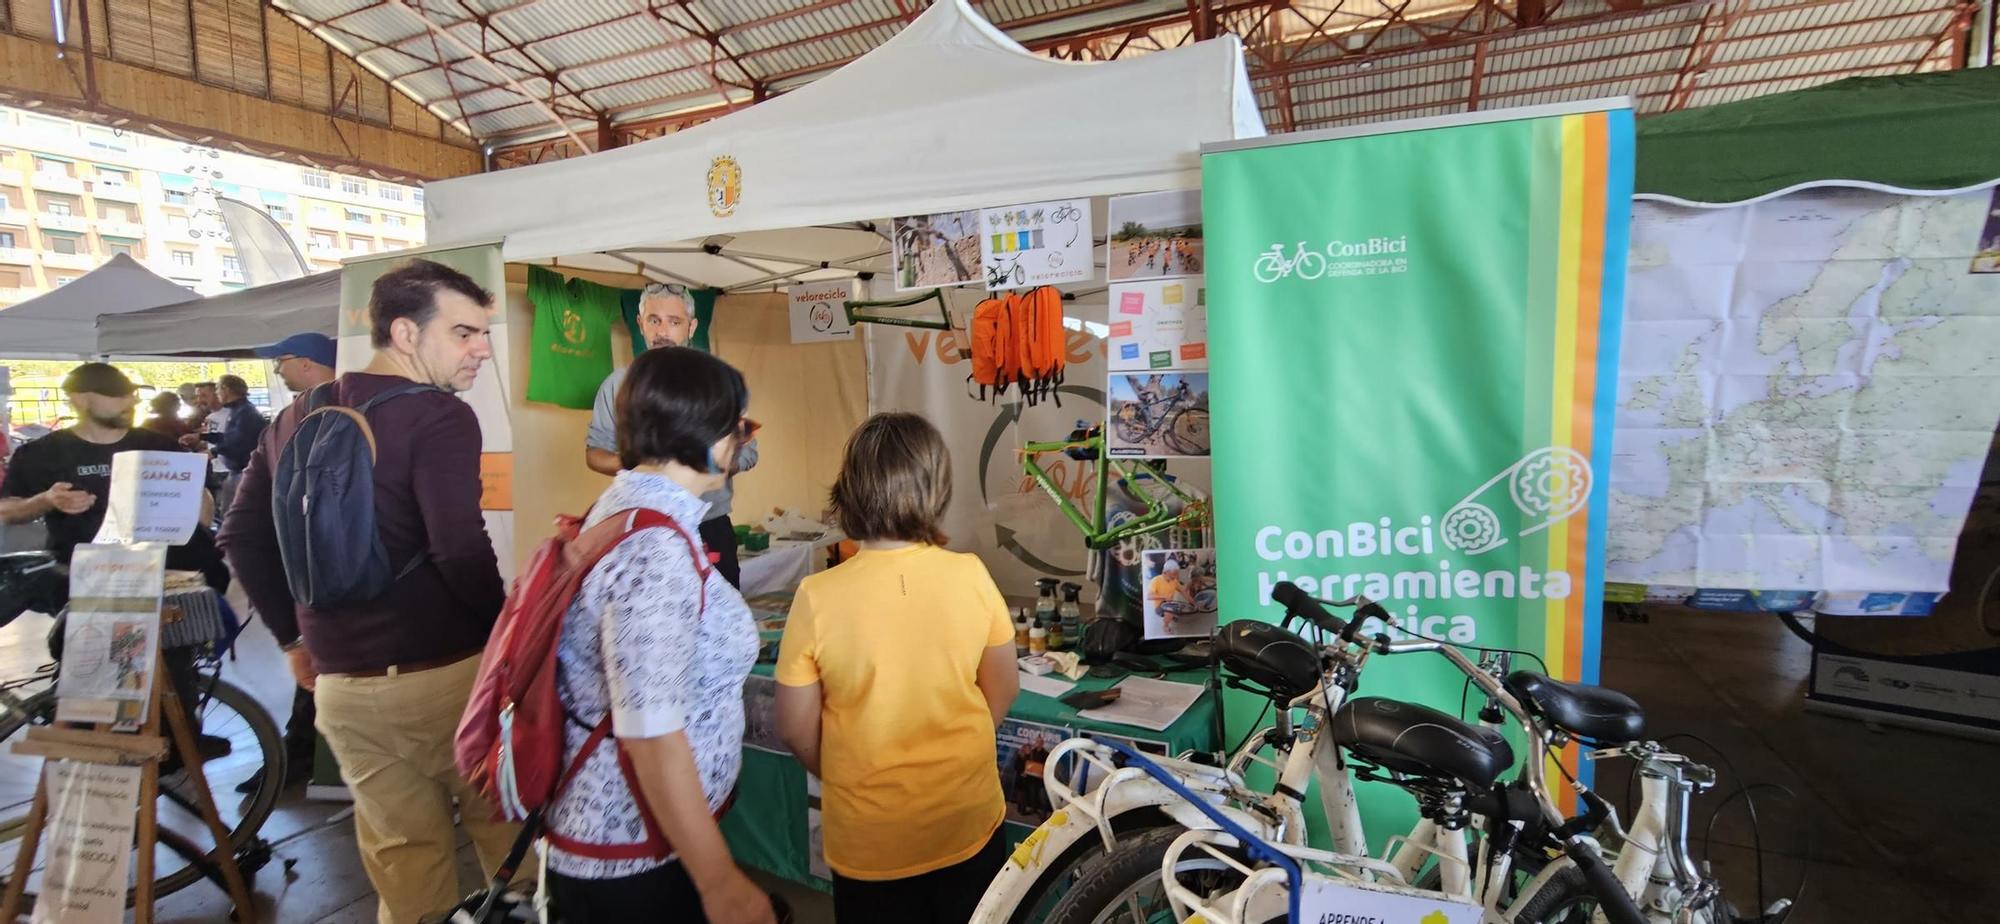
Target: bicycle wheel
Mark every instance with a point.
(1186, 432)
(1131, 424)
(226, 712)
(1125, 888)
(1062, 875)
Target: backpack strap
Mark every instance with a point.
(655, 846)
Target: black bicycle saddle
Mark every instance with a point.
(1596, 713)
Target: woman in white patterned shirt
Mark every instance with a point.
(659, 640)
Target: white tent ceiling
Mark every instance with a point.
(232, 322)
(950, 114)
(63, 322)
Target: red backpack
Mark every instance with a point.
(509, 742)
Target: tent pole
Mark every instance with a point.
(649, 268)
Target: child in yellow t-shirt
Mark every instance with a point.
(895, 670)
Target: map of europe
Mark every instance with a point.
(1808, 390)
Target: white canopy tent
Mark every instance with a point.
(233, 322)
(949, 114)
(63, 322)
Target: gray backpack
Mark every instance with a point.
(323, 503)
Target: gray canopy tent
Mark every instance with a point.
(229, 324)
(63, 322)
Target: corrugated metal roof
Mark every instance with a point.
(1313, 62)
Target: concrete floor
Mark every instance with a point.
(1887, 824)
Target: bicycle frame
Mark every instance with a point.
(1097, 533)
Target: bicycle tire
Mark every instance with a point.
(257, 807)
(1069, 865)
(1182, 443)
(1106, 880)
(1132, 430)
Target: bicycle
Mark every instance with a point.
(1272, 265)
(1177, 419)
(997, 275)
(1198, 864)
(222, 713)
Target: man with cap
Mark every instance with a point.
(302, 361)
(64, 478)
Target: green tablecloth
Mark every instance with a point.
(768, 827)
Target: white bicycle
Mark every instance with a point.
(1273, 265)
(1528, 863)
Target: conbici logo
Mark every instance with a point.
(1273, 265)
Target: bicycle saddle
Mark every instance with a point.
(1409, 738)
(1596, 713)
(1270, 657)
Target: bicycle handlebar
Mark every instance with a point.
(1303, 605)
(1617, 906)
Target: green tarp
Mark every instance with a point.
(1929, 132)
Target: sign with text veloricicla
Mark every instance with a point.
(1418, 372)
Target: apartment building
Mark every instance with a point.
(73, 195)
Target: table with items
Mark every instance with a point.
(777, 830)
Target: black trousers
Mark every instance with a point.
(661, 894)
(719, 535)
(944, 896)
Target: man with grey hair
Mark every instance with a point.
(666, 318)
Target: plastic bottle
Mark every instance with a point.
(1038, 637)
(1057, 640)
(1045, 600)
(1071, 614)
(1021, 631)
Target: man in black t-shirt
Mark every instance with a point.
(64, 478)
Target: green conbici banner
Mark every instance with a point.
(1414, 336)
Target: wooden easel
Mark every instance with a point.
(98, 744)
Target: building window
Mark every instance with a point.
(322, 213)
(417, 196)
(53, 168)
(317, 179)
(117, 249)
(177, 197)
(279, 212)
(183, 258)
(394, 221)
(389, 245)
(360, 245)
(110, 212)
(353, 187)
(64, 280)
(390, 192)
(231, 265)
(10, 279)
(113, 179)
(323, 241)
(359, 217)
(57, 207)
(62, 243)
(6, 240)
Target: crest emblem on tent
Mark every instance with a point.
(725, 186)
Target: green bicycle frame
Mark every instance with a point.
(1097, 534)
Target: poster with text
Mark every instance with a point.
(111, 637)
(1155, 234)
(93, 809)
(1158, 415)
(1158, 324)
(931, 251)
(1039, 244)
(819, 311)
(1180, 593)
(1023, 752)
(1420, 371)
(154, 497)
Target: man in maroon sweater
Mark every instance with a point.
(392, 674)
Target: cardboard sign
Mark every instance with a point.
(819, 311)
(1324, 901)
(111, 638)
(92, 811)
(154, 497)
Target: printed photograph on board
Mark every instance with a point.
(1180, 593)
(935, 250)
(1158, 415)
(760, 715)
(1156, 234)
(1023, 753)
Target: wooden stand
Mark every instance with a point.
(98, 744)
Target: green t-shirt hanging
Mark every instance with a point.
(572, 339)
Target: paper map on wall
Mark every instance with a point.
(1159, 324)
(1807, 392)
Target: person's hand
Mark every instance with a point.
(68, 500)
(303, 672)
(191, 441)
(737, 900)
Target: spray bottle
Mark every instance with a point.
(1071, 613)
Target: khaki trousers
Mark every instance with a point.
(393, 738)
